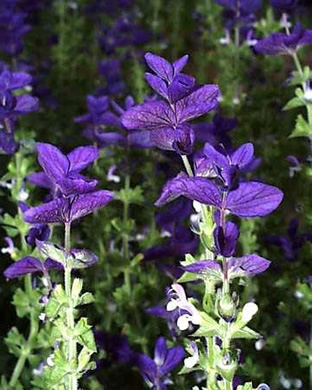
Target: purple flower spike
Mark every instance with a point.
(30, 265)
(184, 101)
(155, 371)
(283, 44)
(63, 171)
(66, 210)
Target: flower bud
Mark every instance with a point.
(227, 307)
(227, 367)
(249, 310)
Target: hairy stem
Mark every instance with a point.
(125, 239)
(28, 347)
(70, 318)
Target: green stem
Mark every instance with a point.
(30, 343)
(211, 372)
(34, 324)
(228, 385)
(70, 318)
(187, 165)
(125, 239)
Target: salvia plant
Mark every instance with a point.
(156, 230)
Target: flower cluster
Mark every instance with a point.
(12, 106)
(168, 119)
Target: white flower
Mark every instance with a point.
(42, 316)
(111, 174)
(298, 294)
(50, 361)
(191, 361)
(179, 301)
(249, 310)
(259, 344)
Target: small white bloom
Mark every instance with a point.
(298, 294)
(179, 301)
(197, 206)
(297, 383)
(38, 371)
(191, 361)
(259, 344)
(249, 310)
(22, 195)
(50, 361)
(286, 383)
(45, 281)
(42, 316)
(307, 92)
(111, 174)
(226, 39)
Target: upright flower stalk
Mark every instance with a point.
(216, 186)
(72, 196)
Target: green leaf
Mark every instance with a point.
(76, 290)
(245, 333)
(84, 359)
(294, 103)
(302, 128)
(48, 249)
(85, 299)
(130, 195)
(56, 302)
(208, 326)
(25, 303)
(15, 342)
(84, 334)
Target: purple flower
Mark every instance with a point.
(180, 243)
(110, 70)
(216, 132)
(227, 167)
(39, 231)
(245, 266)
(226, 239)
(117, 347)
(123, 33)
(155, 371)
(168, 122)
(97, 114)
(250, 199)
(13, 29)
(169, 82)
(68, 209)
(62, 173)
(244, 7)
(30, 265)
(12, 107)
(283, 44)
(284, 5)
(11, 81)
(293, 242)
